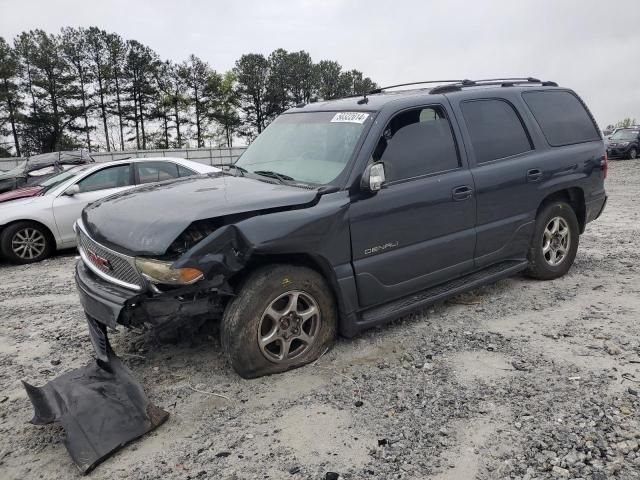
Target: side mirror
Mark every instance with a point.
(373, 177)
(72, 190)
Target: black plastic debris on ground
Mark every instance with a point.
(100, 408)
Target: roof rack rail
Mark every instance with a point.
(504, 82)
(381, 89)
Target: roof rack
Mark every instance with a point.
(455, 85)
(381, 89)
(504, 82)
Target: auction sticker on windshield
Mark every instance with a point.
(350, 117)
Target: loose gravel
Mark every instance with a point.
(518, 380)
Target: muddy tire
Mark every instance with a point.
(555, 242)
(26, 242)
(283, 317)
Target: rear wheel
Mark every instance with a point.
(633, 154)
(283, 317)
(555, 241)
(25, 242)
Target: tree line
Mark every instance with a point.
(88, 88)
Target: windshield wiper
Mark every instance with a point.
(278, 176)
(243, 171)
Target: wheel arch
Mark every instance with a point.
(46, 228)
(574, 196)
(313, 262)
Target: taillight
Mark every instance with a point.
(605, 164)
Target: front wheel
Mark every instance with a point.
(633, 154)
(283, 317)
(25, 242)
(555, 241)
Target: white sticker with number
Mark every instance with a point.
(350, 117)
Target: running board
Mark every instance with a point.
(404, 305)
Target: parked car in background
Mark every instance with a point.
(37, 220)
(38, 168)
(345, 214)
(624, 143)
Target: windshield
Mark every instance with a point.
(625, 135)
(61, 177)
(311, 147)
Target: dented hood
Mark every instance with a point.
(146, 220)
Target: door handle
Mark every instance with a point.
(534, 175)
(462, 192)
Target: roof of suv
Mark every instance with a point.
(376, 101)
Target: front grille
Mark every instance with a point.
(110, 265)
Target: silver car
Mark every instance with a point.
(37, 220)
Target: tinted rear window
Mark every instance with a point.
(562, 117)
(495, 129)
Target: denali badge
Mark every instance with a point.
(99, 261)
(380, 248)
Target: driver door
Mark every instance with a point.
(104, 182)
(419, 230)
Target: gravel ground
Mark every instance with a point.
(521, 379)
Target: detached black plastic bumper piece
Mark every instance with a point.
(101, 410)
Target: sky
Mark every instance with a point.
(591, 46)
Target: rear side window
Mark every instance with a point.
(495, 129)
(185, 172)
(149, 172)
(562, 117)
(417, 142)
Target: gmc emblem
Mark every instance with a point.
(99, 261)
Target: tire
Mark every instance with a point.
(26, 242)
(633, 154)
(549, 257)
(269, 292)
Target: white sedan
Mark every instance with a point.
(39, 220)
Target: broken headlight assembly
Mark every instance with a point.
(159, 271)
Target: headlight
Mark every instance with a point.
(624, 144)
(159, 271)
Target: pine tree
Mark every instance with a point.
(10, 102)
(74, 48)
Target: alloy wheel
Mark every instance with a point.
(556, 241)
(28, 243)
(289, 326)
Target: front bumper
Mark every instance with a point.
(101, 300)
(109, 305)
(615, 152)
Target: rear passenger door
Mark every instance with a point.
(418, 230)
(505, 173)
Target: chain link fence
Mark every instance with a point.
(209, 156)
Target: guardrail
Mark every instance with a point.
(209, 156)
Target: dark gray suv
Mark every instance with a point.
(346, 214)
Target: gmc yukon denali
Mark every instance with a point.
(346, 214)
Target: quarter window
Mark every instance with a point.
(562, 117)
(110, 177)
(185, 172)
(415, 143)
(495, 129)
(149, 172)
